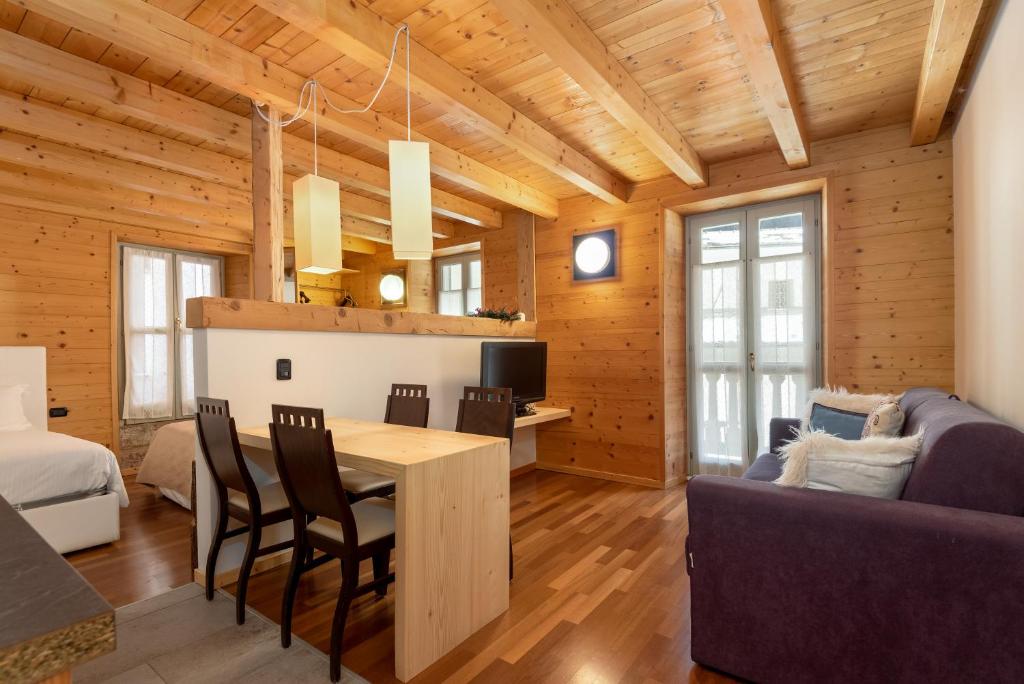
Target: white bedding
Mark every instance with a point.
(37, 465)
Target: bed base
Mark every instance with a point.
(78, 524)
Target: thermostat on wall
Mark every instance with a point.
(284, 369)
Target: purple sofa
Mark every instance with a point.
(797, 585)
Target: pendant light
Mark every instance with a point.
(316, 217)
(317, 201)
(412, 224)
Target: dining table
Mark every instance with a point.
(451, 527)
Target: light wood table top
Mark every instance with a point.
(379, 447)
(451, 528)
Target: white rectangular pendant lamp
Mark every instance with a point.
(317, 222)
(412, 225)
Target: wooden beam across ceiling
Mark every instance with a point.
(949, 35)
(757, 37)
(141, 27)
(115, 91)
(556, 29)
(357, 32)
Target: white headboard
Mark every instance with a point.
(27, 366)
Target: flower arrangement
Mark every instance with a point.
(502, 314)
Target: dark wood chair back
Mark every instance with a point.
(487, 411)
(218, 440)
(408, 405)
(304, 455)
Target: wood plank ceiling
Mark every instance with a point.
(854, 65)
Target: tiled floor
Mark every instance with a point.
(179, 636)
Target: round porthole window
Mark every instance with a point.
(392, 288)
(592, 255)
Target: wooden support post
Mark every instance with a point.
(522, 222)
(267, 206)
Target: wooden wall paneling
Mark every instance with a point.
(888, 222)
(267, 206)
(605, 351)
(59, 289)
(887, 281)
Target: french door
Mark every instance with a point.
(754, 326)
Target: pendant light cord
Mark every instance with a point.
(308, 95)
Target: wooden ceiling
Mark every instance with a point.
(852, 65)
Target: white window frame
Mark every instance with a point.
(464, 260)
(176, 329)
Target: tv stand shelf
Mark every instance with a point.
(544, 414)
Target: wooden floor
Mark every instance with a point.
(153, 555)
(600, 593)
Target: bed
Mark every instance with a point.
(168, 462)
(70, 490)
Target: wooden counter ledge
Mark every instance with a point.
(50, 618)
(249, 314)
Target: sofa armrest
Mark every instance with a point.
(801, 585)
(780, 431)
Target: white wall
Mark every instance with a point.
(347, 374)
(988, 200)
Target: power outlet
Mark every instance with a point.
(58, 412)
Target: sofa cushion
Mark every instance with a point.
(968, 459)
(767, 468)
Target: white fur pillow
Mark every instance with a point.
(873, 466)
(839, 398)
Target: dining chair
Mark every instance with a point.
(489, 411)
(407, 405)
(323, 519)
(238, 497)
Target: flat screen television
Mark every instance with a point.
(521, 366)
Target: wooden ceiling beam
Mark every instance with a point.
(113, 90)
(148, 30)
(556, 29)
(949, 35)
(757, 37)
(362, 35)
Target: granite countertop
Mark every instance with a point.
(51, 619)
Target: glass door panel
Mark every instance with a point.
(719, 343)
(754, 327)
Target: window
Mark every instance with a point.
(158, 360)
(459, 284)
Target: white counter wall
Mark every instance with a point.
(346, 374)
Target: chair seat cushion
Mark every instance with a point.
(361, 482)
(272, 498)
(375, 519)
